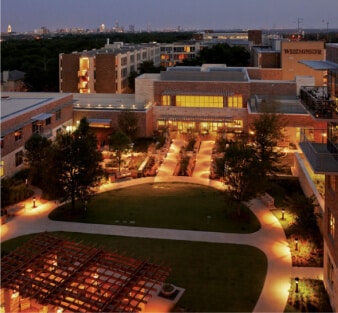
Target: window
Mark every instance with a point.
(37, 127)
(330, 272)
(332, 225)
(18, 134)
(48, 121)
(331, 182)
(18, 158)
(58, 115)
(235, 101)
(199, 101)
(166, 100)
(2, 142)
(2, 168)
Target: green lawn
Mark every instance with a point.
(217, 277)
(164, 205)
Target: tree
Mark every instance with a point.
(128, 123)
(76, 163)
(37, 153)
(119, 142)
(240, 173)
(267, 131)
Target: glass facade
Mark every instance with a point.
(199, 101)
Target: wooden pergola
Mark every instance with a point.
(79, 278)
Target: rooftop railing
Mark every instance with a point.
(319, 150)
(317, 100)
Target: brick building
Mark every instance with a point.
(320, 147)
(104, 70)
(23, 114)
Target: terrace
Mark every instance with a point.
(320, 150)
(317, 100)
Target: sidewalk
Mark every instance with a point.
(270, 238)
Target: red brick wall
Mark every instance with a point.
(105, 73)
(265, 74)
(68, 74)
(9, 140)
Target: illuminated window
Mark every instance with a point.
(18, 134)
(37, 127)
(235, 124)
(332, 225)
(166, 100)
(2, 168)
(235, 101)
(199, 101)
(18, 158)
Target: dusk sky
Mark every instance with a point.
(27, 15)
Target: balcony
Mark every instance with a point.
(82, 73)
(82, 85)
(318, 102)
(320, 151)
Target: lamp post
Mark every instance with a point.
(34, 204)
(323, 136)
(297, 282)
(296, 244)
(283, 212)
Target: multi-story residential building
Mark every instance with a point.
(174, 53)
(320, 147)
(23, 114)
(104, 70)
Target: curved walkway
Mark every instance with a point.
(270, 238)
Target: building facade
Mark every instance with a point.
(320, 148)
(104, 70)
(24, 114)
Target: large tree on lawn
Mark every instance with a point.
(76, 163)
(267, 132)
(240, 173)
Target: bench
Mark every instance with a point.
(268, 200)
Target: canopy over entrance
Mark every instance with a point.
(78, 278)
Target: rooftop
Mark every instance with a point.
(282, 105)
(17, 103)
(109, 101)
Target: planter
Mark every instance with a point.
(168, 289)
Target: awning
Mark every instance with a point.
(99, 122)
(320, 65)
(41, 117)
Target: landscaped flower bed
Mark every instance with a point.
(310, 297)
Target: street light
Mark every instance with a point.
(297, 281)
(283, 211)
(296, 243)
(34, 204)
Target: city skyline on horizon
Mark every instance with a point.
(183, 14)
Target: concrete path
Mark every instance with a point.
(203, 160)
(169, 164)
(270, 238)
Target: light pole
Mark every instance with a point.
(297, 282)
(323, 136)
(296, 244)
(34, 204)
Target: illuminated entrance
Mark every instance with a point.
(195, 124)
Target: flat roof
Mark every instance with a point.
(109, 101)
(320, 65)
(279, 105)
(17, 103)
